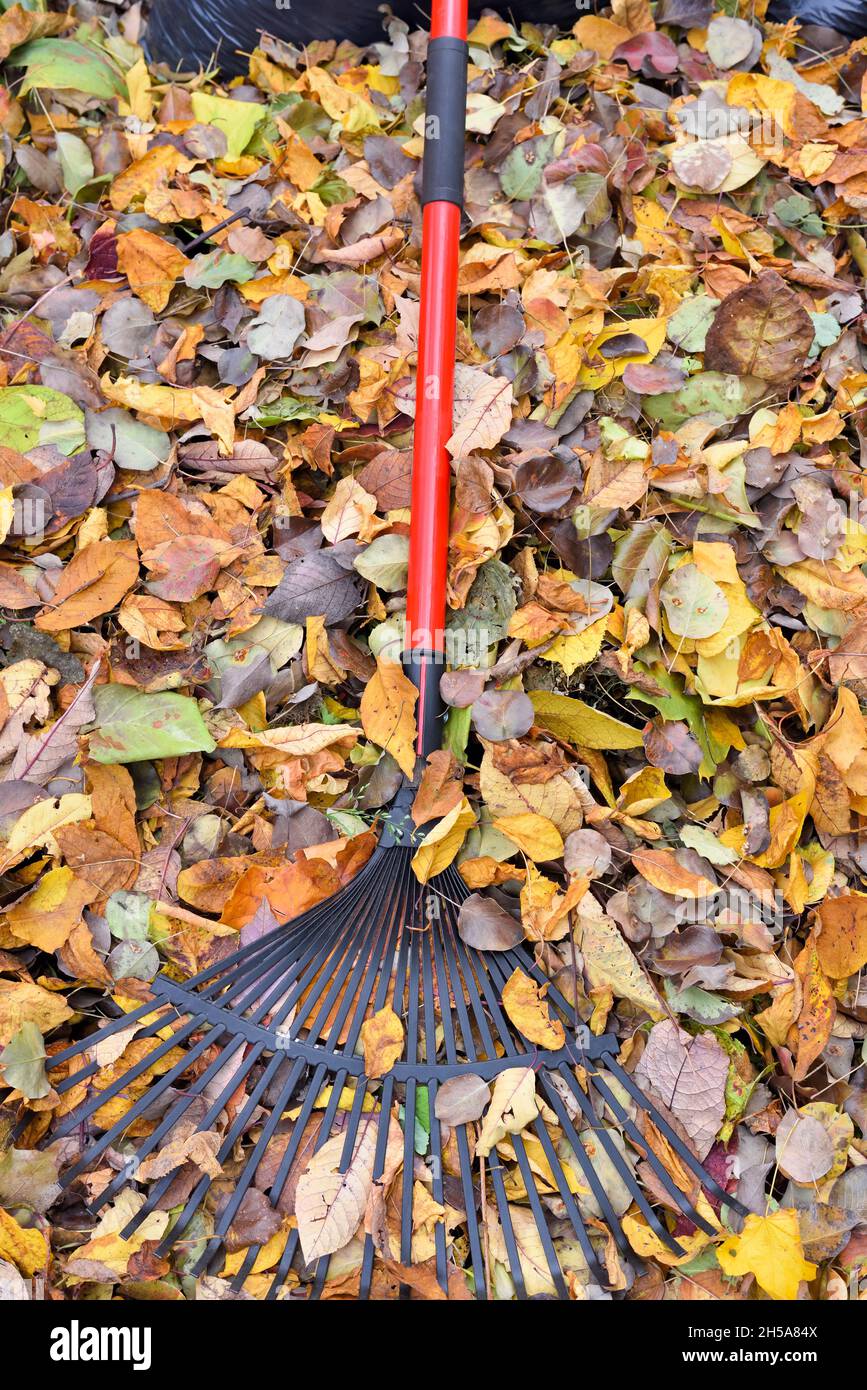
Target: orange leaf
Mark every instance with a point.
(841, 942)
(94, 581)
(289, 890)
(660, 868)
(440, 789)
(818, 1010)
(151, 265)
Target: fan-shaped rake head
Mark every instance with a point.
(375, 1192)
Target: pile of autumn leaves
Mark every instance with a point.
(234, 632)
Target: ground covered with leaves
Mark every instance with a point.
(655, 755)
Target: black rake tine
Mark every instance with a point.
(623, 1171)
(461, 1137)
(251, 1166)
(435, 1131)
(204, 1184)
(632, 1131)
(135, 1112)
(115, 1025)
(614, 1155)
(101, 1098)
(170, 1120)
(238, 1126)
(680, 1148)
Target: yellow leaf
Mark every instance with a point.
(356, 116)
(600, 371)
(26, 1249)
(524, 1002)
(7, 511)
(440, 845)
(21, 1002)
(648, 1244)
(570, 652)
(45, 917)
(236, 119)
(156, 167)
(600, 35)
(642, 791)
(388, 713)
(535, 835)
(609, 962)
(554, 799)
(513, 1105)
(770, 1248)
(172, 403)
(576, 722)
(35, 828)
(768, 96)
(381, 1041)
(489, 30)
(544, 909)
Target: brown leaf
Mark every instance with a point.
(818, 1010)
(762, 330)
(689, 1076)
(486, 926)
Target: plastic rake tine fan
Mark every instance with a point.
(279, 1021)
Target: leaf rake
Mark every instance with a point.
(373, 1193)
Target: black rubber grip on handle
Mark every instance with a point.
(424, 670)
(445, 122)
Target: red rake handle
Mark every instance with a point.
(442, 197)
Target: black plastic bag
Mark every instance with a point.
(848, 17)
(187, 36)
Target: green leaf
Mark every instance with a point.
(236, 119)
(75, 162)
(136, 446)
(287, 408)
(524, 166)
(695, 605)
(132, 727)
(677, 705)
(32, 415)
(456, 732)
(69, 66)
(687, 328)
(826, 331)
(699, 1004)
(128, 915)
(705, 843)
(385, 562)
(484, 618)
(706, 393)
(213, 269)
(23, 1062)
(135, 960)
